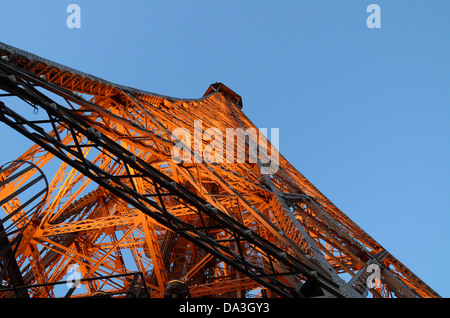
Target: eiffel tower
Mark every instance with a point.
(100, 189)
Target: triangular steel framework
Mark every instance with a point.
(118, 203)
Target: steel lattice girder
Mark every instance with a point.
(318, 216)
(117, 185)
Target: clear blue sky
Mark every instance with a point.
(363, 113)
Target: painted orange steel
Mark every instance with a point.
(84, 224)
